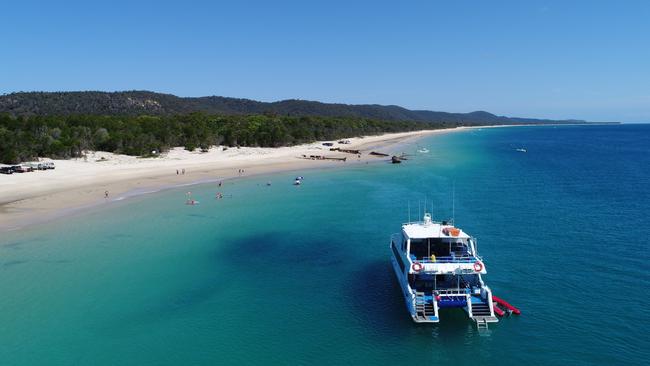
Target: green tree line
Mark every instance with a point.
(26, 138)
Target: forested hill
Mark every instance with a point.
(134, 103)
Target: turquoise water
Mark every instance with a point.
(301, 275)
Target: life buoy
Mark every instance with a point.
(478, 266)
(416, 266)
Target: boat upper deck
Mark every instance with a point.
(429, 229)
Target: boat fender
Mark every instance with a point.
(433, 258)
(416, 266)
(478, 266)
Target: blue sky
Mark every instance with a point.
(551, 59)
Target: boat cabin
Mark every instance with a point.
(439, 257)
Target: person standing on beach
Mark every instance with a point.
(106, 194)
(183, 171)
(176, 171)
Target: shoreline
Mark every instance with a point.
(79, 184)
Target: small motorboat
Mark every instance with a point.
(521, 149)
(297, 182)
(423, 150)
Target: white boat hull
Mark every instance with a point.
(408, 296)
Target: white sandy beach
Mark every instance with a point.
(78, 183)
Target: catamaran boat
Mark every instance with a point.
(437, 267)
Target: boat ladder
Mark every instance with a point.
(420, 304)
(423, 308)
(481, 323)
(482, 315)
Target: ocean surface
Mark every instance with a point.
(285, 275)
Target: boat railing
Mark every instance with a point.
(448, 259)
(453, 291)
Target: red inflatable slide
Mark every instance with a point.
(497, 309)
(505, 304)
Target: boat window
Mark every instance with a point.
(424, 248)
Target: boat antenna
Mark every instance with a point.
(425, 203)
(453, 203)
(409, 204)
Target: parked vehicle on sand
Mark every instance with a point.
(22, 169)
